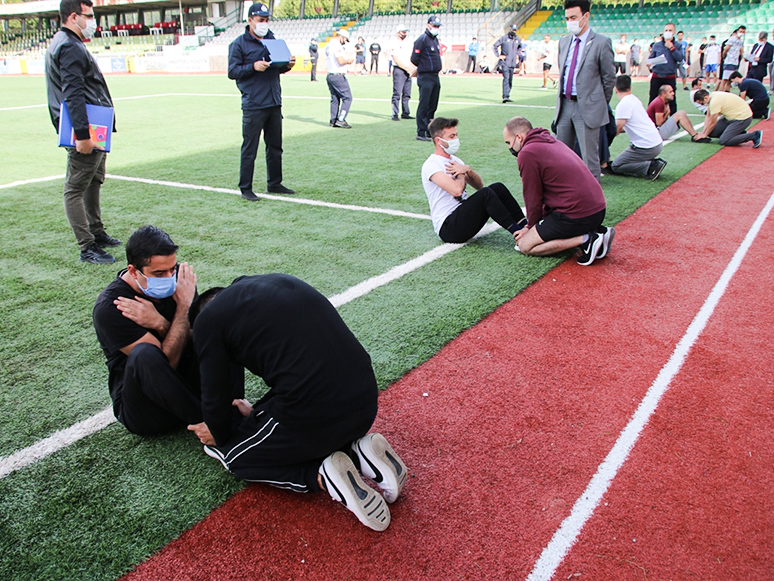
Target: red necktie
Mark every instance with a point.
(571, 74)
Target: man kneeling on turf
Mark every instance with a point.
(457, 216)
(310, 430)
(565, 204)
(141, 320)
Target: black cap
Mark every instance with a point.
(434, 20)
(258, 9)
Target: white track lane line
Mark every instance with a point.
(64, 438)
(566, 535)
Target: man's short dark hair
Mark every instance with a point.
(623, 83)
(67, 7)
(518, 125)
(699, 95)
(680, 32)
(738, 28)
(440, 123)
(735, 75)
(198, 304)
(695, 83)
(147, 242)
(584, 5)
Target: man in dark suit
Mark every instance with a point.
(587, 79)
(762, 54)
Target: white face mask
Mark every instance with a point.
(740, 35)
(668, 35)
(91, 28)
(452, 147)
(574, 27)
(433, 31)
(261, 29)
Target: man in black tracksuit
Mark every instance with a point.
(507, 49)
(73, 77)
(427, 58)
(322, 396)
(249, 65)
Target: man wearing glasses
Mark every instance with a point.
(141, 320)
(73, 76)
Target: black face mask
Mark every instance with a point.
(514, 153)
(511, 34)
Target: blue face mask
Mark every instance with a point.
(159, 287)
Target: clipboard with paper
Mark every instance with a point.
(100, 126)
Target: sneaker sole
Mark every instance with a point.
(607, 241)
(381, 464)
(345, 485)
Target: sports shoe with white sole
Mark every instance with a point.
(607, 240)
(381, 464)
(342, 481)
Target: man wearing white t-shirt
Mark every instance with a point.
(641, 157)
(337, 57)
(457, 216)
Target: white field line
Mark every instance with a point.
(31, 181)
(64, 438)
(565, 536)
(294, 200)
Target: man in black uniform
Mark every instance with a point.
(141, 320)
(507, 49)
(249, 65)
(73, 76)
(304, 434)
(375, 49)
(313, 54)
(427, 58)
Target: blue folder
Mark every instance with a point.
(279, 53)
(100, 126)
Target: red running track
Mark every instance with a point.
(522, 408)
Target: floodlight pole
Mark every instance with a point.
(182, 25)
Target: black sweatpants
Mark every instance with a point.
(269, 122)
(263, 450)
(493, 201)
(155, 398)
(429, 91)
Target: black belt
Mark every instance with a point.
(573, 98)
(337, 73)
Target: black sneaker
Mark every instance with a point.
(607, 241)
(280, 189)
(656, 167)
(406, 117)
(507, 100)
(757, 138)
(249, 195)
(95, 255)
(606, 170)
(590, 249)
(103, 240)
(766, 113)
(701, 140)
(424, 138)
(395, 118)
(342, 125)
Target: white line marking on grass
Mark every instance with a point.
(682, 134)
(55, 441)
(64, 438)
(294, 200)
(31, 181)
(566, 535)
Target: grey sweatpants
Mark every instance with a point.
(732, 132)
(341, 96)
(635, 160)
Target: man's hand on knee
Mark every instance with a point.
(527, 239)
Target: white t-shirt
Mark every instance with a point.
(333, 50)
(620, 51)
(546, 51)
(641, 130)
(402, 48)
(442, 203)
(712, 55)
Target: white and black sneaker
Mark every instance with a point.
(379, 462)
(342, 481)
(607, 239)
(590, 248)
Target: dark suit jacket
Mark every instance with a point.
(759, 71)
(595, 81)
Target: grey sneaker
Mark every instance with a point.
(342, 481)
(381, 464)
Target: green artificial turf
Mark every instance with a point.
(93, 510)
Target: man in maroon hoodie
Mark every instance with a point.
(565, 204)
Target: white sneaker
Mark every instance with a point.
(343, 483)
(381, 464)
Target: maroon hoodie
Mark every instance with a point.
(555, 179)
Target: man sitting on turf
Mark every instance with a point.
(565, 203)
(305, 433)
(457, 216)
(141, 320)
(667, 125)
(731, 129)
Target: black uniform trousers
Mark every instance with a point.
(375, 62)
(264, 450)
(494, 201)
(655, 85)
(268, 121)
(507, 80)
(429, 91)
(314, 69)
(155, 398)
(401, 92)
(759, 107)
(468, 67)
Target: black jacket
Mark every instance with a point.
(427, 54)
(73, 76)
(260, 90)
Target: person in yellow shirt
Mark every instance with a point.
(737, 116)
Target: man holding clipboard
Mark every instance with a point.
(73, 77)
(255, 67)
